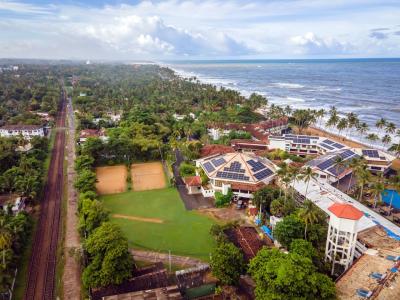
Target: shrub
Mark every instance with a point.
(186, 169)
(223, 200)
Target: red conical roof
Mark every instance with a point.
(345, 211)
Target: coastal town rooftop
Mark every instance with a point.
(324, 195)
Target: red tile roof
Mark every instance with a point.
(209, 150)
(192, 180)
(345, 211)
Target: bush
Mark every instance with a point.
(282, 208)
(186, 169)
(227, 263)
(223, 200)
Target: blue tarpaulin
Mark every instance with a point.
(267, 231)
(389, 232)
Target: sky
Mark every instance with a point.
(199, 29)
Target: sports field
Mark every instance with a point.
(111, 179)
(147, 176)
(157, 220)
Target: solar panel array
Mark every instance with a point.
(331, 161)
(209, 167)
(347, 154)
(327, 146)
(338, 146)
(337, 170)
(256, 165)
(301, 141)
(371, 153)
(263, 174)
(218, 161)
(230, 175)
(326, 164)
(235, 167)
(329, 142)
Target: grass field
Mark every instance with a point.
(183, 232)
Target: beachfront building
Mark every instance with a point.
(243, 145)
(342, 235)
(242, 173)
(377, 160)
(25, 131)
(259, 131)
(327, 168)
(304, 145)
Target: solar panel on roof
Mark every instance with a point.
(209, 167)
(337, 170)
(263, 174)
(235, 167)
(326, 164)
(347, 154)
(256, 165)
(371, 153)
(329, 142)
(338, 146)
(327, 146)
(218, 161)
(229, 175)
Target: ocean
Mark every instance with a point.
(368, 87)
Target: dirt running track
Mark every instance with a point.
(42, 265)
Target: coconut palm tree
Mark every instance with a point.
(339, 163)
(320, 114)
(390, 128)
(381, 123)
(377, 188)
(309, 214)
(386, 139)
(5, 239)
(342, 125)
(352, 121)
(362, 128)
(282, 175)
(363, 177)
(372, 137)
(354, 164)
(307, 174)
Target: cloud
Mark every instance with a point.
(396, 33)
(378, 35)
(309, 43)
(22, 8)
(380, 29)
(150, 35)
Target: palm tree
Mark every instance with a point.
(354, 164)
(378, 187)
(320, 114)
(363, 177)
(362, 128)
(373, 137)
(341, 125)
(307, 174)
(390, 128)
(5, 239)
(395, 184)
(395, 148)
(352, 121)
(381, 123)
(282, 174)
(386, 139)
(309, 214)
(338, 163)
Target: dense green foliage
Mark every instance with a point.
(110, 260)
(14, 233)
(227, 263)
(186, 169)
(222, 200)
(289, 276)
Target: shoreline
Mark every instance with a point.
(356, 143)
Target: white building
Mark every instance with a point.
(26, 131)
(326, 168)
(304, 145)
(242, 173)
(377, 160)
(342, 235)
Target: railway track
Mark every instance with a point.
(42, 265)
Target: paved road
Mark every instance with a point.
(190, 201)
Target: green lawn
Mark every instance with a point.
(183, 232)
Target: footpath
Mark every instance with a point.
(71, 277)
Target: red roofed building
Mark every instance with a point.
(209, 150)
(193, 184)
(342, 236)
(90, 133)
(345, 211)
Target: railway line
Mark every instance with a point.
(42, 265)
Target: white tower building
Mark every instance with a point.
(342, 235)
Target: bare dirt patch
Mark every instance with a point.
(111, 179)
(149, 220)
(148, 176)
(226, 214)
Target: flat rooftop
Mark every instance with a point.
(324, 195)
